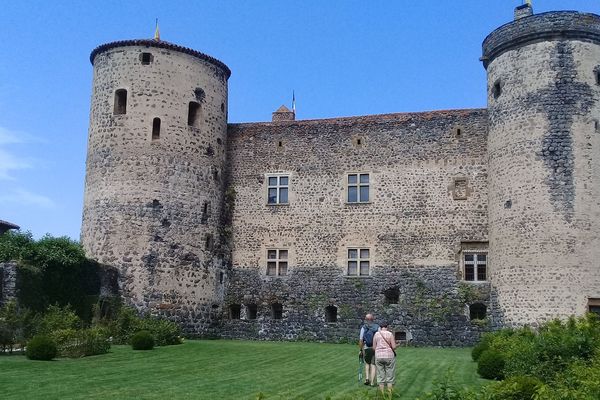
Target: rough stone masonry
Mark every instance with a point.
(445, 223)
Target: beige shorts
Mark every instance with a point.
(386, 370)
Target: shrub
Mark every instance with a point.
(515, 388)
(480, 347)
(59, 318)
(41, 348)
(491, 365)
(165, 332)
(142, 340)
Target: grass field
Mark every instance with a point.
(222, 369)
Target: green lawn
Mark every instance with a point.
(222, 369)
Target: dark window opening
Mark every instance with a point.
(497, 90)
(204, 212)
(277, 310)
(199, 94)
(193, 114)
(331, 314)
(477, 311)
(596, 125)
(208, 242)
(235, 311)
(597, 77)
(392, 296)
(221, 277)
(216, 174)
(594, 306)
(156, 129)
(358, 142)
(458, 131)
(223, 107)
(155, 203)
(120, 101)
(251, 311)
(400, 336)
(280, 144)
(219, 141)
(146, 58)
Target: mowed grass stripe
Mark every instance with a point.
(224, 370)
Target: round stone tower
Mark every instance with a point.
(153, 188)
(544, 163)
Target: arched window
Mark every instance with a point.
(120, 101)
(156, 129)
(193, 114)
(477, 311)
(331, 314)
(277, 310)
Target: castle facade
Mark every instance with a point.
(444, 223)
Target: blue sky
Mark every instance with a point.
(341, 58)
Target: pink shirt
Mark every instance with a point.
(382, 342)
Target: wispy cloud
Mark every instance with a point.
(26, 198)
(10, 161)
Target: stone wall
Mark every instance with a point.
(428, 194)
(8, 282)
(544, 165)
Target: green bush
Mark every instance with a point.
(480, 347)
(58, 318)
(81, 343)
(165, 332)
(41, 348)
(142, 340)
(515, 388)
(491, 365)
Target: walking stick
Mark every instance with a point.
(361, 367)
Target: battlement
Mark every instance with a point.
(540, 28)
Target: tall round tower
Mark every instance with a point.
(544, 163)
(153, 188)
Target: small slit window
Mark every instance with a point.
(597, 75)
(235, 311)
(146, 58)
(221, 277)
(193, 114)
(156, 129)
(497, 89)
(331, 314)
(120, 102)
(477, 311)
(208, 242)
(251, 311)
(277, 311)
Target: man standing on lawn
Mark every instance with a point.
(367, 332)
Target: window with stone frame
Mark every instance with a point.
(475, 266)
(594, 306)
(278, 189)
(277, 262)
(357, 188)
(359, 261)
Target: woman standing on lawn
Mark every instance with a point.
(385, 357)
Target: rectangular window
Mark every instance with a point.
(278, 188)
(358, 188)
(475, 265)
(359, 263)
(277, 262)
(594, 306)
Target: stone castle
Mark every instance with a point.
(445, 223)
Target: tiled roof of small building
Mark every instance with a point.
(8, 225)
(163, 45)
